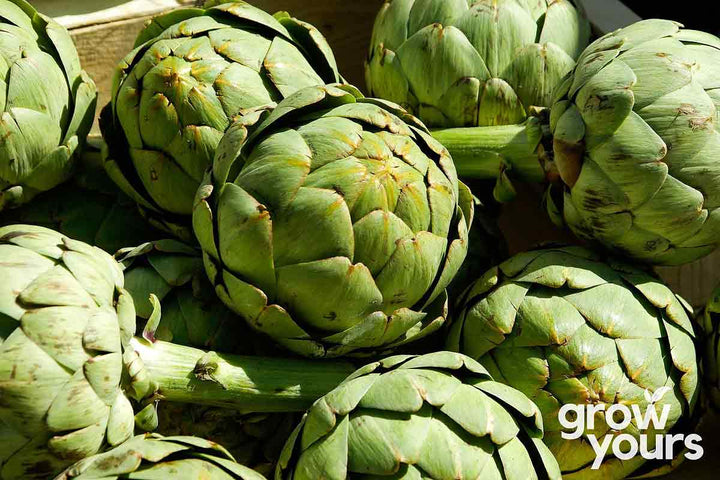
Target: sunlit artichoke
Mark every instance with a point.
(47, 103)
(458, 63)
(191, 72)
(566, 328)
(335, 226)
(636, 136)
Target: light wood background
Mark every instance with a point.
(104, 31)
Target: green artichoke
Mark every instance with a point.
(335, 226)
(461, 63)
(64, 318)
(153, 456)
(191, 72)
(438, 416)
(254, 440)
(72, 378)
(633, 144)
(709, 320)
(89, 208)
(47, 103)
(566, 328)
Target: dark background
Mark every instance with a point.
(698, 15)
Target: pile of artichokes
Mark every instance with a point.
(260, 272)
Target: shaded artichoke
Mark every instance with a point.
(709, 320)
(335, 226)
(191, 72)
(459, 63)
(88, 208)
(153, 456)
(438, 416)
(564, 327)
(47, 103)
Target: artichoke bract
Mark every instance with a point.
(439, 416)
(567, 328)
(155, 456)
(335, 226)
(47, 103)
(461, 63)
(65, 317)
(174, 95)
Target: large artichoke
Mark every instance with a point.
(153, 456)
(460, 63)
(47, 103)
(89, 207)
(438, 416)
(71, 376)
(335, 226)
(191, 72)
(563, 327)
(635, 143)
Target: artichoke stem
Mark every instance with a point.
(245, 383)
(486, 152)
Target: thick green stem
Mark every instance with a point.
(484, 152)
(247, 384)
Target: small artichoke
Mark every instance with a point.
(191, 72)
(47, 103)
(335, 226)
(439, 416)
(460, 63)
(565, 327)
(152, 456)
(65, 318)
(636, 140)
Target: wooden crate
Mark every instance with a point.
(104, 31)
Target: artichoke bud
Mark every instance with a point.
(567, 326)
(147, 419)
(338, 193)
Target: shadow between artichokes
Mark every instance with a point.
(174, 95)
(47, 103)
(335, 225)
(567, 326)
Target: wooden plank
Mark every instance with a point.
(83, 13)
(608, 15)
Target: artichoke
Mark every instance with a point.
(439, 416)
(89, 207)
(174, 95)
(635, 144)
(335, 225)
(153, 456)
(566, 328)
(47, 103)
(65, 319)
(461, 63)
(72, 378)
